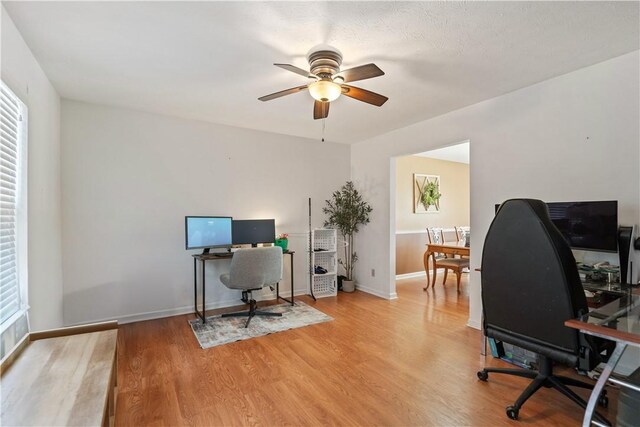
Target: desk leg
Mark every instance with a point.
(435, 270)
(425, 261)
(204, 301)
(278, 297)
(292, 303)
(195, 286)
(602, 381)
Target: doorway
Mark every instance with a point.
(431, 190)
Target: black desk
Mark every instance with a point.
(604, 293)
(212, 257)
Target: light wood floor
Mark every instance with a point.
(411, 361)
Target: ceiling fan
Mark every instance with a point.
(329, 81)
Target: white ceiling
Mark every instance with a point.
(454, 153)
(212, 60)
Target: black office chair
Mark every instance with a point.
(530, 287)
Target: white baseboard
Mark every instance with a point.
(410, 275)
(376, 292)
(474, 324)
(417, 274)
(159, 314)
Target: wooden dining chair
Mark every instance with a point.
(435, 236)
(458, 232)
(461, 231)
(450, 235)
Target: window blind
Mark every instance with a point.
(11, 134)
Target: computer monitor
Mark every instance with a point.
(591, 226)
(254, 231)
(208, 232)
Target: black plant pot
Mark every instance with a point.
(340, 279)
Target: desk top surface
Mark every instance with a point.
(60, 381)
(225, 255)
(619, 320)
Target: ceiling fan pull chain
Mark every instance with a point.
(324, 121)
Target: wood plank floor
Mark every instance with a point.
(411, 361)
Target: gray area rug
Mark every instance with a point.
(218, 331)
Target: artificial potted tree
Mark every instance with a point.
(347, 211)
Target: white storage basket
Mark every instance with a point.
(326, 260)
(324, 286)
(324, 239)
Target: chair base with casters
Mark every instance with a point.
(544, 377)
(253, 310)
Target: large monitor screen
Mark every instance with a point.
(208, 232)
(591, 226)
(254, 231)
(587, 225)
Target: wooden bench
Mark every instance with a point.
(64, 376)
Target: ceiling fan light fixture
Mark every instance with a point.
(325, 90)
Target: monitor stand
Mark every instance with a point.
(254, 245)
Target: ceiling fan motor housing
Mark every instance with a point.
(325, 63)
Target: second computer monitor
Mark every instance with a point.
(253, 231)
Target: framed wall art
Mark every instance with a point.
(426, 193)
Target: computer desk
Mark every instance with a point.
(203, 258)
(604, 323)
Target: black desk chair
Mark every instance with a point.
(530, 286)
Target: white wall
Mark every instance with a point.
(22, 73)
(129, 178)
(574, 137)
